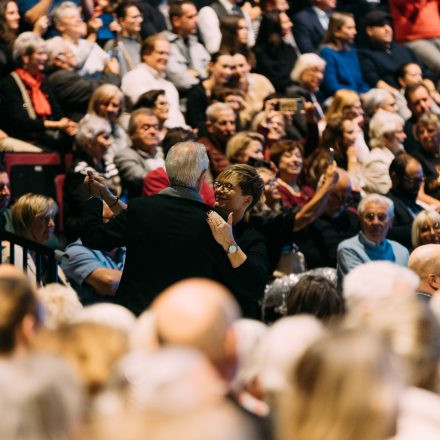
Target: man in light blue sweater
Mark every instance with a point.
(376, 213)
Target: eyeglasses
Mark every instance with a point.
(370, 216)
(225, 186)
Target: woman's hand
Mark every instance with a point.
(96, 185)
(221, 230)
(41, 25)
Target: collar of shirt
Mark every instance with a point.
(157, 155)
(182, 192)
(323, 17)
(228, 6)
(154, 72)
(371, 244)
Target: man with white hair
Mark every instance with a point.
(167, 235)
(425, 262)
(376, 214)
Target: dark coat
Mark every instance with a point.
(307, 30)
(167, 240)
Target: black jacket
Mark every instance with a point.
(167, 240)
(307, 30)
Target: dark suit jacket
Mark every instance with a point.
(167, 240)
(307, 30)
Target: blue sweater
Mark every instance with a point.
(358, 250)
(342, 71)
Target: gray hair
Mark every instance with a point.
(381, 124)
(376, 199)
(132, 123)
(420, 220)
(214, 109)
(185, 162)
(55, 46)
(26, 44)
(304, 62)
(89, 128)
(366, 286)
(58, 12)
(373, 100)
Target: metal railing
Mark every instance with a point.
(50, 274)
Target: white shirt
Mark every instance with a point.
(144, 78)
(90, 57)
(322, 17)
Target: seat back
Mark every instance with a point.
(59, 191)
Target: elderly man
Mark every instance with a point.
(145, 153)
(189, 59)
(149, 75)
(72, 90)
(376, 214)
(166, 235)
(425, 262)
(220, 126)
(90, 58)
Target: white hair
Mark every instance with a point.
(109, 314)
(376, 199)
(89, 127)
(280, 349)
(381, 124)
(374, 99)
(61, 304)
(213, 110)
(26, 44)
(59, 10)
(304, 62)
(185, 162)
(366, 285)
(54, 47)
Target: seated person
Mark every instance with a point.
(144, 155)
(94, 274)
(310, 24)
(5, 198)
(427, 133)
(245, 147)
(72, 90)
(425, 228)
(376, 214)
(90, 57)
(33, 113)
(93, 141)
(220, 127)
(33, 218)
(288, 158)
(342, 70)
(156, 180)
(406, 175)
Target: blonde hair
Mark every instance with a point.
(102, 95)
(342, 99)
(421, 219)
(343, 388)
(29, 208)
(239, 142)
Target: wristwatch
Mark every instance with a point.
(232, 249)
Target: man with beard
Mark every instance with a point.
(406, 178)
(376, 214)
(220, 125)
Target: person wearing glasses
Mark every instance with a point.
(376, 215)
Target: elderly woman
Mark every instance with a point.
(93, 141)
(425, 228)
(343, 70)
(107, 102)
(32, 111)
(307, 76)
(379, 99)
(33, 218)
(386, 141)
(288, 157)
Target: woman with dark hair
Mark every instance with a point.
(234, 33)
(220, 75)
(275, 57)
(342, 70)
(157, 101)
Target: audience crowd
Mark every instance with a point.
(245, 224)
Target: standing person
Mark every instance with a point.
(343, 70)
(183, 244)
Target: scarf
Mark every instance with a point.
(39, 99)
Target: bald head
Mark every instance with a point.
(197, 313)
(339, 194)
(425, 262)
